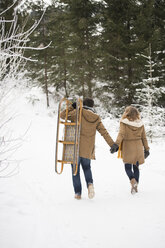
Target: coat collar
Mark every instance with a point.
(89, 108)
(136, 123)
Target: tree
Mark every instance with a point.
(119, 46)
(94, 48)
(60, 59)
(82, 18)
(159, 13)
(150, 29)
(39, 38)
(147, 97)
(13, 42)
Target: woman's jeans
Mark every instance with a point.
(86, 166)
(132, 171)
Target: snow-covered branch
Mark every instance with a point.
(13, 43)
(147, 95)
(8, 7)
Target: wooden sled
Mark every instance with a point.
(71, 138)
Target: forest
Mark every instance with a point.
(111, 50)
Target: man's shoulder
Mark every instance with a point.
(89, 115)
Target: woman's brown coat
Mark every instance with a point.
(90, 122)
(132, 138)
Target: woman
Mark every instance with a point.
(132, 144)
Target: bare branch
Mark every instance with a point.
(8, 8)
(13, 43)
(35, 48)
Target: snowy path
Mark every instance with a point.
(37, 208)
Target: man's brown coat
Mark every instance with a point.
(89, 124)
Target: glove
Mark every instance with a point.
(146, 153)
(114, 148)
(74, 105)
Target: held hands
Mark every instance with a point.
(146, 154)
(114, 148)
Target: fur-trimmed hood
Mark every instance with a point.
(136, 123)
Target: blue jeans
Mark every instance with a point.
(86, 166)
(132, 171)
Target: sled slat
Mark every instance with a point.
(67, 142)
(68, 123)
(65, 162)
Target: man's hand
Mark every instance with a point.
(74, 105)
(114, 148)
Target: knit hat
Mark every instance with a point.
(88, 102)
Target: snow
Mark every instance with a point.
(38, 208)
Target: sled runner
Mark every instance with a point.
(70, 139)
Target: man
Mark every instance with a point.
(90, 122)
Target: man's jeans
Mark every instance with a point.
(132, 171)
(86, 166)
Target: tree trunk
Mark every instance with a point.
(129, 68)
(45, 79)
(45, 68)
(89, 65)
(65, 79)
(83, 86)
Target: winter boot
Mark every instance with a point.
(91, 192)
(134, 185)
(77, 196)
(136, 188)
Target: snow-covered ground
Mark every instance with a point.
(38, 209)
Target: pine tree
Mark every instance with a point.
(59, 31)
(128, 28)
(82, 16)
(147, 97)
(51, 69)
(150, 29)
(119, 46)
(159, 13)
(95, 45)
(39, 70)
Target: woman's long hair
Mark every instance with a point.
(131, 113)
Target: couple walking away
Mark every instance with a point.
(131, 143)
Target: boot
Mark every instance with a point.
(136, 188)
(91, 192)
(77, 196)
(134, 185)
